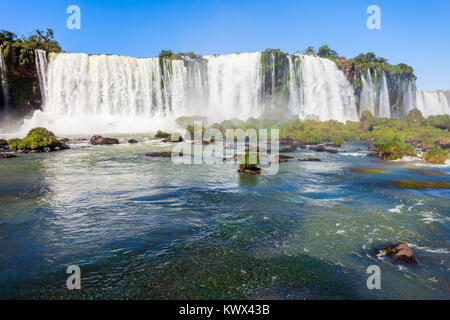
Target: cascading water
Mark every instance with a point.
(409, 98)
(107, 93)
(326, 92)
(432, 103)
(4, 84)
(41, 68)
(368, 94)
(384, 108)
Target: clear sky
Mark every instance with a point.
(413, 32)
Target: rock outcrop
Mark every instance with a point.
(38, 140)
(399, 252)
(99, 140)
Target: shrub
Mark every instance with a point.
(436, 156)
(395, 149)
(247, 162)
(338, 141)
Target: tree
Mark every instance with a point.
(166, 54)
(309, 51)
(7, 37)
(325, 52)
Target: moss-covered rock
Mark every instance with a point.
(436, 156)
(38, 139)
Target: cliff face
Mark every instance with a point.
(400, 81)
(24, 96)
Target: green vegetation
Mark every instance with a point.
(36, 139)
(394, 138)
(395, 149)
(436, 156)
(39, 39)
(168, 54)
(249, 161)
(326, 52)
(195, 131)
(161, 134)
(420, 185)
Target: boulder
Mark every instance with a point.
(323, 149)
(38, 140)
(131, 141)
(98, 140)
(292, 148)
(399, 252)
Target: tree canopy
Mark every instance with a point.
(39, 39)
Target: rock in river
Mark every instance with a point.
(400, 252)
(96, 140)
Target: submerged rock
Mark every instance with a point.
(420, 185)
(309, 159)
(99, 140)
(7, 155)
(370, 171)
(279, 158)
(292, 148)
(164, 154)
(428, 172)
(400, 252)
(131, 141)
(249, 170)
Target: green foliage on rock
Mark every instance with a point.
(395, 149)
(249, 161)
(36, 139)
(415, 118)
(436, 156)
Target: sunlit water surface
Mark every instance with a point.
(146, 228)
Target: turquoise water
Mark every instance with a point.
(142, 227)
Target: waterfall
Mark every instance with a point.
(409, 98)
(4, 83)
(384, 108)
(326, 92)
(234, 86)
(368, 94)
(432, 103)
(107, 93)
(41, 68)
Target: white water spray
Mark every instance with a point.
(109, 94)
(4, 83)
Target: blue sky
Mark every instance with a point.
(412, 32)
